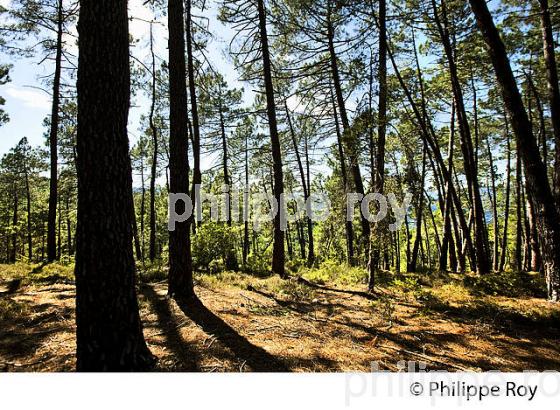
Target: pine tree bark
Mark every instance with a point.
(278, 253)
(231, 257)
(504, 251)
(28, 205)
(519, 213)
(13, 250)
(246, 243)
(419, 214)
(348, 225)
(494, 202)
(306, 188)
(310, 235)
(349, 142)
(155, 153)
(53, 140)
(553, 88)
(109, 331)
(70, 247)
(197, 173)
(469, 158)
(180, 281)
(548, 217)
(447, 235)
(378, 229)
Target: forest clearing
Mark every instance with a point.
(279, 185)
(315, 324)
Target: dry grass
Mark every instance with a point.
(262, 324)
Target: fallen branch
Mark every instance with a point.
(429, 358)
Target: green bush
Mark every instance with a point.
(333, 272)
(512, 284)
(212, 247)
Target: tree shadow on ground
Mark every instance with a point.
(366, 295)
(24, 327)
(501, 318)
(258, 359)
(188, 358)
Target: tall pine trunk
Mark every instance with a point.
(349, 141)
(28, 203)
(553, 88)
(180, 281)
(53, 140)
(278, 252)
(468, 150)
(504, 252)
(379, 184)
(109, 331)
(197, 173)
(155, 153)
(548, 217)
(348, 225)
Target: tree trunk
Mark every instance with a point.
(142, 206)
(180, 259)
(535, 170)
(278, 254)
(305, 186)
(519, 214)
(70, 248)
(29, 233)
(53, 141)
(350, 143)
(13, 254)
(447, 235)
(310, 236)
(480, 234)
(348, 225)
(246, 243)
(494, 202)
(379, 187)
(153, 176)
(553, 88)
(59, 231)
(503, 254)
(109, 331)
(197, 174)
(231, 257)
(419, 213)
(429, 138)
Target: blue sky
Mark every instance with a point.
(28, 106)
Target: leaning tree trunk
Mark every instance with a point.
(53, 141)
(349, 142)
(278, 253)
(553, 88)
(180, 279)
(305, 183)
(469, 156)
(109, 331)
(548, 217)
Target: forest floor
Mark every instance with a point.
(248, 323)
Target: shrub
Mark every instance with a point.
(512, 284)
